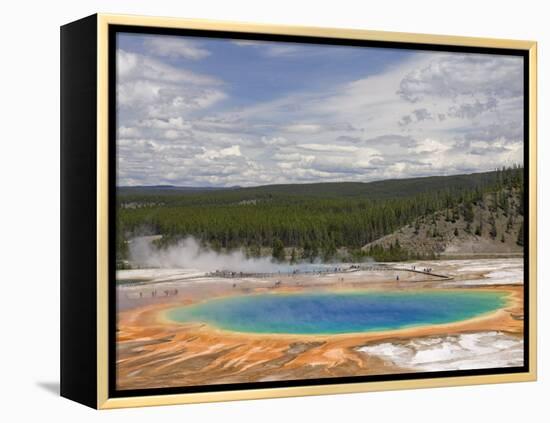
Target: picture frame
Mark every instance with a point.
(94, 326)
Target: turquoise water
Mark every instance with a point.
(342, 312)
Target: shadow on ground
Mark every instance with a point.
(51, 387)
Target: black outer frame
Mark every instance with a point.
(79, 211)
(79, 203)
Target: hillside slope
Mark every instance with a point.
(491, 226)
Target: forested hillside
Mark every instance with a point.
(306, 221)
(491, 226)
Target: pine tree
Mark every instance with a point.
(493, 227)
(519, 240)
(509, 223)
(293, 258)
(329, 250)
(278, 250)
(310, 251)
(469, 213)
(254, 251)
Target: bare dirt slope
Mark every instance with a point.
(485, 229)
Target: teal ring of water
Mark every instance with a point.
(339, 312)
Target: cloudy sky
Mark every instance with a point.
(212, 112)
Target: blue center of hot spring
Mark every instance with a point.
(341, 312)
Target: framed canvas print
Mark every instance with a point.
(253, 211)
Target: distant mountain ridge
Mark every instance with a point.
(150, 189)
(383, 189)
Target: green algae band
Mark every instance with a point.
(337, 313)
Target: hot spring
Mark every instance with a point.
(338, 312)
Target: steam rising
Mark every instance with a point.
(191, 255)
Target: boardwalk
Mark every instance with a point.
(326, 271)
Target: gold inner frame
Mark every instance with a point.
(103, 22)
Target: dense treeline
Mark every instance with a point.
(395, 252)
(278, 217)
